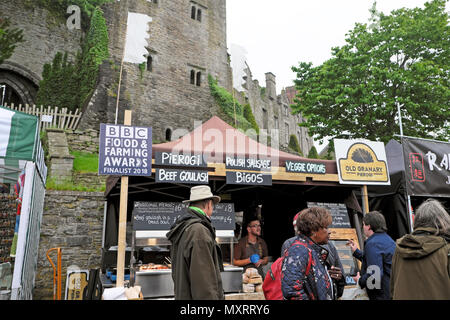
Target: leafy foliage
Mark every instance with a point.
(313, 153)
(399, 60)
(60, 84)
(69, 84)
(59, 8)
(9, 38)
(229, 105)
(294, 145)
(248, 114)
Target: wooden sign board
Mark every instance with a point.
(340, 236)
(76, 282)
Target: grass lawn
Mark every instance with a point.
(85, 162)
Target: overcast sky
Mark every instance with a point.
(277, 35)
(272, 36)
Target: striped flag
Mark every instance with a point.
(18, 135)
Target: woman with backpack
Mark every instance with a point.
(304, 274)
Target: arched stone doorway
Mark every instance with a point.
(17, 85)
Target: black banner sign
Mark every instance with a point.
(427, 167)
(251, 164)
(249, 178)
(180, 160)
(161, 215)
(305, 167)
(338, 211)
(181, 176)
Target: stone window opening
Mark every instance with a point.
(149, 63)
(193, 12)
(199, 15)
(287, 132)
(192, 77)
(198, 79)
(168, 134)
(265, 119)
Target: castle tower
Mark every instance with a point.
(271, 90)
(168, 90)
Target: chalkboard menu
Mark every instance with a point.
(161, 215)
(338, 213)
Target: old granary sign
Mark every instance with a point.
(361, 162)
(427, 165)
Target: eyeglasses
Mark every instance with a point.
(255, 226)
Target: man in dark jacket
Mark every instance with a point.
(376, 258)
(196, 256)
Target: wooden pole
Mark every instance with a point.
(120, 73)
(122, 219)
(365, 199)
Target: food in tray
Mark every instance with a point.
(153, 266)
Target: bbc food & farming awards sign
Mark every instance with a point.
(125, 150)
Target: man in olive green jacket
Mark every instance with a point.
(420, 266)
(196, 256)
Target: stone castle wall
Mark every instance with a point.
(164, 98)
(273, 111)
(44, 35)
(72, 221)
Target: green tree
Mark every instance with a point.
(9, 38)
(59, 86)
(399, 60)
(294, 145)
(231, 108)
(313, 153)
(95, 51)
(70, 83)
(248, 114)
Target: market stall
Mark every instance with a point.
(418, 168)
(22, 176)
(251, 176)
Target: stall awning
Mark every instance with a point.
(19, 142)
(218, 139)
